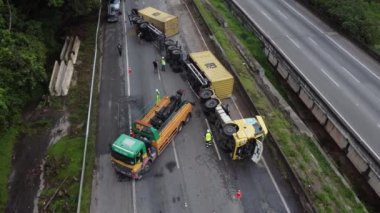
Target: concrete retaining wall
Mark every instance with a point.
(272, 59)
(374, 181)
(336, 134)
(319, 114)
(281, 69)
(357, 160)
(306, 99)
(293, 84)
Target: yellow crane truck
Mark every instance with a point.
(211, 81)
(132, 155)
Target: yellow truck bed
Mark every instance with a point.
(221, 80)
(171, 128)
(157, 107)
(165, 22)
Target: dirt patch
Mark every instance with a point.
(44, 126)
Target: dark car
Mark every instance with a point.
(112, 15)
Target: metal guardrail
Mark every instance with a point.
(352, 140)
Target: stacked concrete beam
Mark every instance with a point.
(64, 48)
(53, 78)
(60, 78)
(68, 49)
(63, 71)
(67, 78)
(75, 50)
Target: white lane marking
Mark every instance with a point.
(266, 15)
(268, 170)
(282, 14)
(196, 26)
(332, 40)
(134, 195)
(312, 85)
(324, 72)
(294, 42)
(378, 125)
(175, 154)
(89, 113)
(312, 41)
(129, 106)
(350, 74)
(213, 141)
(276, 186)
(159, 75)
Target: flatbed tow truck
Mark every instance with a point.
(132, 155)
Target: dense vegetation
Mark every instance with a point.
(359, 19)
(29, 41)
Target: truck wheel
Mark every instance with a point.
(180, 127)
(229, 129)
(188, 118)
(147, 167)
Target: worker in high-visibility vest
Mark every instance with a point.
(208, 138)
(163, 63)
(158, 96)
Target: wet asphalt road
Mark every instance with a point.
(346, 78)
(187, 177)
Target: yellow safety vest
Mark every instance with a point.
(163, 62)
(208, 137)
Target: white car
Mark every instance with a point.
(115, 4)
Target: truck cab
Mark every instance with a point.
(130, 156)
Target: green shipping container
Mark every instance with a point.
(221, 80)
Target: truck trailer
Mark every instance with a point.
(209, 79)
(132, 155)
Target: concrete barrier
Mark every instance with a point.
(319, 114)
(306, 99)
(281, 69)
(64, 48)
(67, 78)
(336, 135)
(53, 78)
(272, 59)
(293, 84)
(68, 49)
(75, 50)
(266, 51)
(60, 78)
(374, 181)
(357, 160)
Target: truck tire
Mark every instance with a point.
(147, 167)
(180, 127)
(229, 129)
(205, 94)
(188, 117)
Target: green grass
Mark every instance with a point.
(7, 140)
(328, 192)
(77, 105)
(63, 161)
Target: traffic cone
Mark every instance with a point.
(238, 195)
